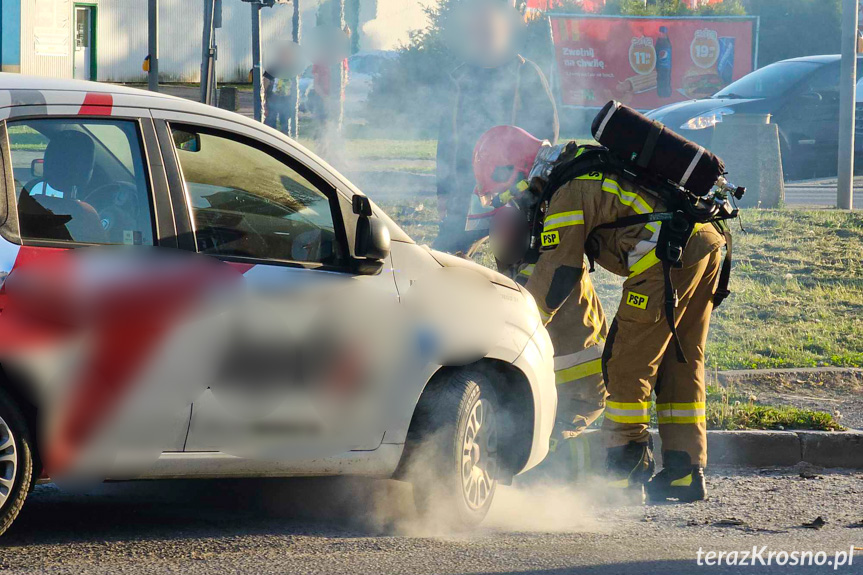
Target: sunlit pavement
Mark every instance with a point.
(353, 526)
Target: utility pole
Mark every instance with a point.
(153, 45)
(208, 53)
(295, 88)
(847, 104)
(257, 84)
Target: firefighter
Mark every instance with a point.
(503, 159)
(643, 351)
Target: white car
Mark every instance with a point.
(107, 372)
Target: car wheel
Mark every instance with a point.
(790, 168)
(16, 461)
(453, 459)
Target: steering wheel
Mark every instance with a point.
(117, 207)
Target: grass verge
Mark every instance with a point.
(730, 409)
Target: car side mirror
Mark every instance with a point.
(187, 141)
(373, 239)
(37, 169)
(372, 244)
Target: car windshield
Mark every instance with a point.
(768, 82)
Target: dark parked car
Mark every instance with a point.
(801, 94)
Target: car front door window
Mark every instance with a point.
(248, 201)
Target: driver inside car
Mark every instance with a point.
(49, 207)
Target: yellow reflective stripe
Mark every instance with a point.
(683, 481)
(681, 413)
(563, 219)
(627, 418)
(682, 420)
(522, 186)
(693, 405)
(562, 362)
(527, 271)
(620, 484)
(630, 199)
(648, 261)
(628, 412)
(634, 405)
(578, 372)
(544, 315)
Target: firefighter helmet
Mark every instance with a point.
(503, 156)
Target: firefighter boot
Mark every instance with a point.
(628, 468)
(679, 479)
(568, 458)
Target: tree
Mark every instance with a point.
(409, 94)
(793, 28)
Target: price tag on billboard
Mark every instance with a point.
(642, 55)
(705, 48)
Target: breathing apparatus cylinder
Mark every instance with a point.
(636, 139)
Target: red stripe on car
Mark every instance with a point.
(96, 104)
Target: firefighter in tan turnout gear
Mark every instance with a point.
(665, 240)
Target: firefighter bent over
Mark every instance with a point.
(636, 219)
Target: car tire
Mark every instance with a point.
(790, 168)
(453, 460)
(16, 461)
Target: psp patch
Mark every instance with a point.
(550, 239)
(637, 300)
(593, 176)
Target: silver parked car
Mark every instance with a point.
(188, 293)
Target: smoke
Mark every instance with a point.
(547, 508)
(393, 24)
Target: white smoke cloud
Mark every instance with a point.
(393, 23)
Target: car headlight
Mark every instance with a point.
(708, 120)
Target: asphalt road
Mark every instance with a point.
(339, 526)
(819, 193)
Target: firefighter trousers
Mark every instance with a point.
(640, 358)
(578, 332)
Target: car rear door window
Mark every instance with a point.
(81, 180)
(248, 201)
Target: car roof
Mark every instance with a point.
(41, 90)
(819, 59)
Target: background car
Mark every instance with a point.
(203, 204)
(801, 95)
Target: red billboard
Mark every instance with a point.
(649, 62)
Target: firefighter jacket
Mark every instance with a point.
(579, 208)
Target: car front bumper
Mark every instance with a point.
(537, 363)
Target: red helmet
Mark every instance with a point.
(503, 156)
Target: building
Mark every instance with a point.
(106, 40)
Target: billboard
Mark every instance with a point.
(649, 62)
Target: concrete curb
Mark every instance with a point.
(768, 448)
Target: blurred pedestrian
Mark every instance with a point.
(279, 107)
(330, 77)
(493, 86)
